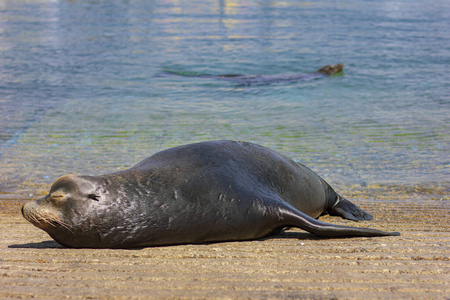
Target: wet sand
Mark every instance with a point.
(294, 264)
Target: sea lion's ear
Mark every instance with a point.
(94, 197)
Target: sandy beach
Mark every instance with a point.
(294, 264)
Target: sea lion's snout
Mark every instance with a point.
(40, 216)
(29, 212)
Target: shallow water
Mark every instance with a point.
(81, 89)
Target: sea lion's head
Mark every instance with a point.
(70, 213)
(331, 69)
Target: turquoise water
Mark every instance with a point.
(81, 89)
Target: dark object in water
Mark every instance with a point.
(268, 79)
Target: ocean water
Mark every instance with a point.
(83, 86)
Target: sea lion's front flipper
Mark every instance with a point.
(347, 210)
(294, 218)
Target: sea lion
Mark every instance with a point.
(197, 193)
(267, 79)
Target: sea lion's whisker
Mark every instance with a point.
(65, 225)
(32, 217)
(53, 220)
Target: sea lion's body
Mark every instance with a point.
(270, 79)
(197, 193)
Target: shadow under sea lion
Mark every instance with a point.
(197, 193)
(268, 79)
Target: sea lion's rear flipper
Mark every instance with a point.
(347, 210)
(294, 218)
